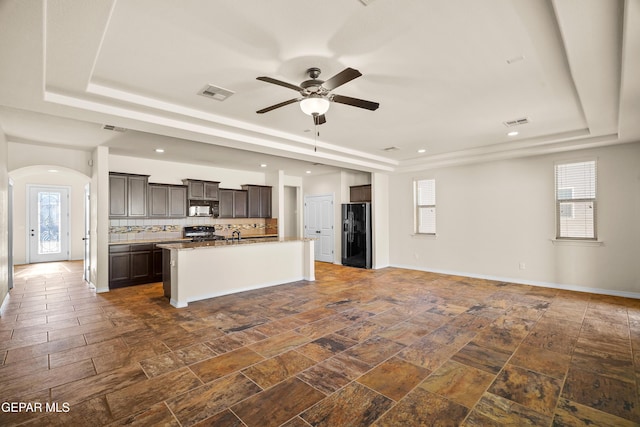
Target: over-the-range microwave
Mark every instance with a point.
(199, 211)
(205, 210)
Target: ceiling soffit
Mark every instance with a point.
(576, 66)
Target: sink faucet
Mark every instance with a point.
(233, 235)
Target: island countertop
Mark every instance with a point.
(229, 243)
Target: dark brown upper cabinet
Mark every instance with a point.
(167, 201)
(202, 190)
(233, 203)
(127, 195)
(360, 193)
(259, 201)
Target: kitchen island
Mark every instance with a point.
(195, 271)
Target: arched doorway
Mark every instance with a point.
(49, 220)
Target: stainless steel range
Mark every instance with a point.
(201, 233)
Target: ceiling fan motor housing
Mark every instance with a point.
(313, 85)
(314, 72)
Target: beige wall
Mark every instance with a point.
(493, 216)
(165, 172)
(4, 218)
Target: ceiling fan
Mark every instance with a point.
(315, 95)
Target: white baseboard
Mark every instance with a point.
(561, 286)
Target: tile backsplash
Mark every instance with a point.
(147, 229)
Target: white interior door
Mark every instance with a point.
(318, 224)
(48, 223)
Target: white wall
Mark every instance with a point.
(293, 214)
(290, 225)
(23, 155)
(166, 172)
(493, 216)
(33, 175)
(4, 218)
(100, 220)
(380, 220)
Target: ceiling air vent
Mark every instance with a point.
(113, 128)
(516, 122)
(390, 149)
(215, 92)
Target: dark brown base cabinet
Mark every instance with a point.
(134, 264)
(157, 264)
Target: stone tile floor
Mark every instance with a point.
(390, 347)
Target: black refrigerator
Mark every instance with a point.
(356, 235)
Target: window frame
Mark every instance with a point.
(559, 202)
(418, 207)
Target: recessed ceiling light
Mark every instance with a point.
(159, 150)
(52, 170)
(513, 133)
(263, 165)
(422, 150)
(307, 171)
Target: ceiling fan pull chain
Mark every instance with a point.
(316, 134)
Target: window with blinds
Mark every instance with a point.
(576, 200)
(425, 198)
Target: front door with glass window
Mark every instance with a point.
(48, 223)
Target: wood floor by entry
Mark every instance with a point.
(390, 347)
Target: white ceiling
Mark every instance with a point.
(447, 74)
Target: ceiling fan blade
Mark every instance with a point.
(355, 102)
(341, 78)
(282, 104)
(280, 83)
(319, 119)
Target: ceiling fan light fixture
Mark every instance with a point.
(314, 105)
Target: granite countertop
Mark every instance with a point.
(181, 239)
(227, 243)
(133, 242)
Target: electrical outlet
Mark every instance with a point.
(523, 266)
